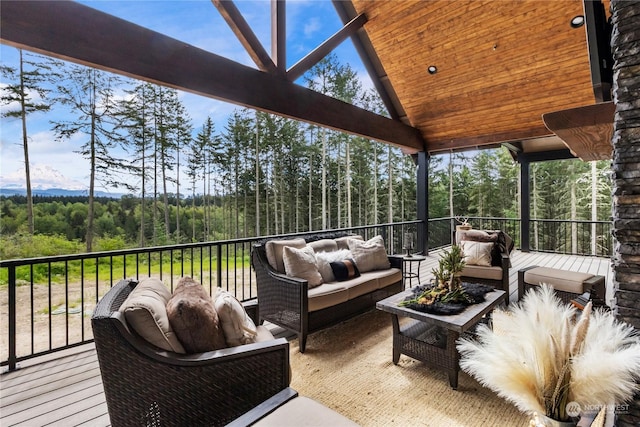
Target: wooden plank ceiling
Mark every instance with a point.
(501, 65)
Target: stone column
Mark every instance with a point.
(625, 45)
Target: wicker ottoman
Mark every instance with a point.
(567, 284)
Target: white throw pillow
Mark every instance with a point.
(146, 313)
(301, 263)
(324, 260)
(477, 253)
(370, 255)
(237, 326)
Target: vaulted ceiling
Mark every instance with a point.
(498, 66)
(511, 72)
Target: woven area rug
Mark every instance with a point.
(348, 368)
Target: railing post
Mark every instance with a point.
(12, 318)
(219, 265)
(422, 195)
(525, 199)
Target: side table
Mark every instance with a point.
(408, 262)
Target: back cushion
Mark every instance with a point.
(274, 248)
(343, 242)
(324, 245)
(146, 313)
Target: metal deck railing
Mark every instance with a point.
(46, 302)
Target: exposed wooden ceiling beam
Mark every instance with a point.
(245, 34)
(78, 33)
(326, 47)
(587, 130)
(372, 63)
(279, 35)
(485, 141)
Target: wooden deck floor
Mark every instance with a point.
(65, 389)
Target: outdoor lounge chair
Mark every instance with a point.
(145, 385)
(496, 274)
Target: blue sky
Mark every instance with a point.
(196, 22)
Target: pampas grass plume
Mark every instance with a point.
(539, 357)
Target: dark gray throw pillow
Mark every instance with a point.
(345, 270)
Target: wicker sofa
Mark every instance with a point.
(292, 304)
(145, 385)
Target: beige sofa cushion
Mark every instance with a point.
(301, 263)
(367, 282)
(343, 242)
(387, 277)
(274, 249)
(370, 255)
(145, 312)
(327, 295)
(561, 280)
(324, 245)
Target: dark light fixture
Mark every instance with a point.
(577, 21)
(432, 69)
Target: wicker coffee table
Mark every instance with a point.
(431, 338)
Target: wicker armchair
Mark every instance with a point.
(145, 385)
(498, 274)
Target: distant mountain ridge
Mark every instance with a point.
(52, 192)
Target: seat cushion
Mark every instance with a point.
(561, 280)
(367, 282)
(482, 272)
(388, 277)
(304, 412)
(328, 294)
(146, 313)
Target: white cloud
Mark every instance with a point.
(43, 177)
(311, 27)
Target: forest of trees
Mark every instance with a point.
(256, 174)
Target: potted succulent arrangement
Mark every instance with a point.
(447, 294)
(553, 362)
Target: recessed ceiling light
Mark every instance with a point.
(577, 21)
(432, 69)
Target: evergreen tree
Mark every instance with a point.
(27, 90)
(89, 93)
